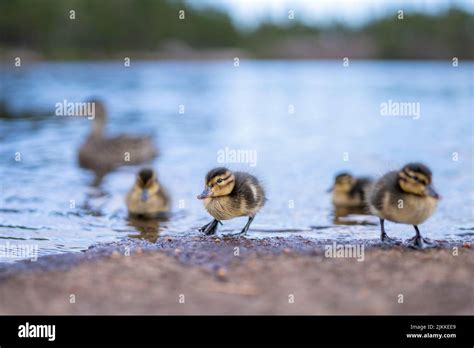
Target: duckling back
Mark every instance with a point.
(249, 191)
(355, 197)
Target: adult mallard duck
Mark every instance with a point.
(102, 154)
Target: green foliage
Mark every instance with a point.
(423, 36)
(106, 27)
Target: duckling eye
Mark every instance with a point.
(219, 180)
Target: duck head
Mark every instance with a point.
(146, 183)
(343, 183)
(415, 178)
(219, 182)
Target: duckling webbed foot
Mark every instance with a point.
(244, 230)
(418, 242)
(384, 236)
(211, 227)
(386, 240)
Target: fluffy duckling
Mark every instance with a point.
(147, 198)
(231, 194)
(349, 191)
(406, 196)
(102, 154)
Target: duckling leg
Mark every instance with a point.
(203, 228)
(211, 227)
(383, 236)
(247, 226)
(418, 242)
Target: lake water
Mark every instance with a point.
(304, 122)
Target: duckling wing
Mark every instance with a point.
(164, 198)
(360, 187)
(385, 185)
(249, 191)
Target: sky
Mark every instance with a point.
(249, 13)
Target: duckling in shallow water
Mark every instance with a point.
(349, 191)
(231, 194)
(147, 198)
(406, 196)
(102, 154)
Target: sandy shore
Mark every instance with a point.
(203, 275)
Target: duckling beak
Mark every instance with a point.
(329, 190)
(144, 195)
(430, 191)
(206, 193)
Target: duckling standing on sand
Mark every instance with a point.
(102, 154)
(349, 191)
(147, 198)
(231, 194)
(406, 196)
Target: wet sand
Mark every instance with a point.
(203, 275)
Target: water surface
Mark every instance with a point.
(305, 121)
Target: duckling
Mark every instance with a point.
(406, 196)
(102, 154)
(147, 198)
(349, 191)
(230, 194)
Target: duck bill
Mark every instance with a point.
(329, 190)
(144, 195)
(204, 194)
(430, 191)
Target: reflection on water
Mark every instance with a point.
(304, 121)
(352, 216)
(147, 229)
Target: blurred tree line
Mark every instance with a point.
(104, 28)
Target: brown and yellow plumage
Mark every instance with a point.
(349, 191)
(406, 196)
(230, 194)
(147, 198)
